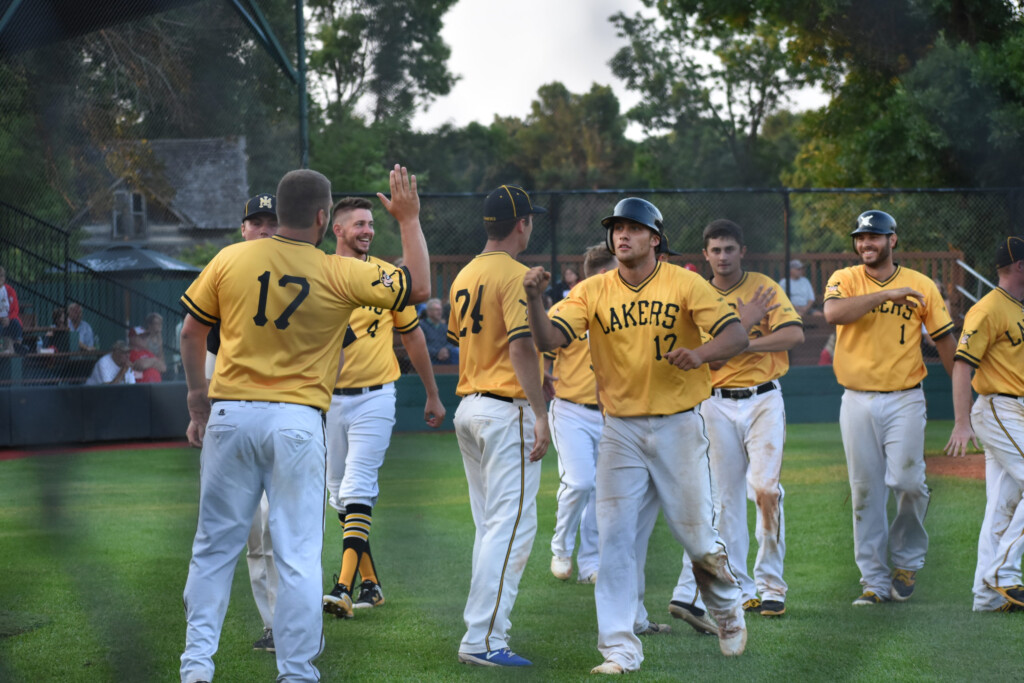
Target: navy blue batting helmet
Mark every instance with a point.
(875, 222)
(639, 211)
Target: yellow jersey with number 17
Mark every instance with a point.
(881, 351)
(631, 329)
(993, 344)
(751, 368)
(283, 307)
(488, 310)
(370, 359)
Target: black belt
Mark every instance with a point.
(1015, 398)
(357, 391)
(487, 394)
(248, 400)
(896, 391)
(747, 393)
(588, 406)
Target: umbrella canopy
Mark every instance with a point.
(129, 259)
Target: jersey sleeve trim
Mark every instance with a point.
(413, 324)
(565, 329)
(722, 322)
(198, 313)
(789, 323)
(403, 294)
(967, 358)
(942, 331)
(518, 333)
(453, 338)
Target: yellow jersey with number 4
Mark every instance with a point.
(993, 344)
(632, 328)
(573, 369)
(488, 310)
(283, 307)
(881, 351)
(751, 368)
(370, 359)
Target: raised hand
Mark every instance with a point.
(536, 281)
(404, 203)
(753, 311)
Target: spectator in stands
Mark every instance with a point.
(435, 330)
(86, 337)
(10, 323)
(114, 367)
(57, 336)
(559, 290)
(149, 339)
(801, 291)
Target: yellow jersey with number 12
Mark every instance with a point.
(370, 359)
(283, 307)
(631, 329)
(488, 310)
(993, 344)
(881, 351)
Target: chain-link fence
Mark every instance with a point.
(950, 235)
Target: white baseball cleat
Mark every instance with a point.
(561, 567)
(609, 667)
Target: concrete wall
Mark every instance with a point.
(32, 416)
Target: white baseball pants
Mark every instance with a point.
(999, 423)
(358, 435)
(747, 436)
(575, 431)
(251, 447)
(495, 438)
(883, 436)
(259, 556)
(666, 457)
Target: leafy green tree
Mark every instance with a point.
(387, 55)
(697, 69)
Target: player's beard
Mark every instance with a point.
(881, 258)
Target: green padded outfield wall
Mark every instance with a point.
(37, 416)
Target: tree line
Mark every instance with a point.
(922, 93)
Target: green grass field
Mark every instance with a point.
(94, 550)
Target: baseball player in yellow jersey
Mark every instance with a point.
(746, 422)
(259, 222)
(576, 424)
(879, 308)
(992, 344)
(283, 306)
(501, 422)
(362, 413)
(644, 323)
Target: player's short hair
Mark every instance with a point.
(722, 228)
(499, 230)
(346, 204)
(300, 195)
(595, 258)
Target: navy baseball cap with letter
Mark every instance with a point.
(1010, 251)
(261, 203)
(509, 202)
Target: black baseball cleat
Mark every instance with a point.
(902, 584)
(265, 643)
(697, 618)
(339, 601)
(370, 595)
(772, 608)
(1013, 594)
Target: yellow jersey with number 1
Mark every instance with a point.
(488, 310)
(993, 343)
(631, 329)
(881, 351)
(283, 307)
(370, 359)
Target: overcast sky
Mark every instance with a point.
(504, 51)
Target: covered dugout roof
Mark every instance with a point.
(25, 24)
